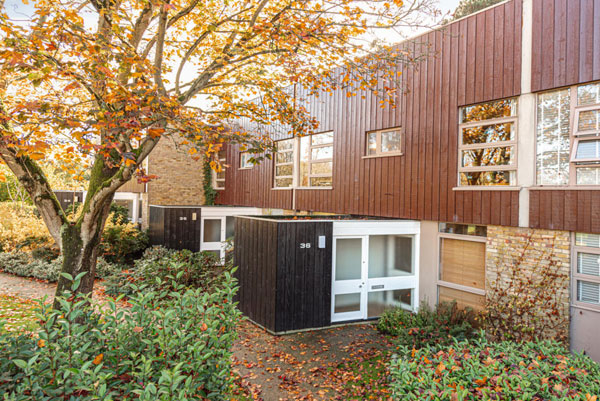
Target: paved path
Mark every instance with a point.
(25, 288)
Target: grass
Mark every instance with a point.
(18, 314)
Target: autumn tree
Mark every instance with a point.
(102, 81)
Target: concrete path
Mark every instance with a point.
(25, 288)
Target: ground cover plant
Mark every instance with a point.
(479, 369)
(440, 325)
(18, 314)
(171, 344)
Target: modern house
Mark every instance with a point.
(494, 147)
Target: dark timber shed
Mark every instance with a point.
(175, 227)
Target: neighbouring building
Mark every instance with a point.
(492, 152)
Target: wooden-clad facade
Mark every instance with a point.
(473, 60)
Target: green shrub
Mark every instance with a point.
(429, 326)
(170, 345)
(480, 370)
(192, 270)
(25, 265)
(122, 242)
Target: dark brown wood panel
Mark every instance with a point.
(473, 60)
(566, 43)
(570, 210)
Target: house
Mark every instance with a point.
(494, 146)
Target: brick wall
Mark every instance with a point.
(180, 178)
(530, 251)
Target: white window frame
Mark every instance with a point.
(245, 164)
(222, 157)
(378, 151)
(501, 144)
(448, 284)
(576, 276)
(296, 163)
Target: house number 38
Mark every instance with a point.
(304, 245)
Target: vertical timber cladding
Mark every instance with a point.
(285, 284)
(475, 59)
(68, 198)
(175, 227)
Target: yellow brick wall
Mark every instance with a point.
(531, 250)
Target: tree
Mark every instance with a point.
(468, 7)
(101, 81)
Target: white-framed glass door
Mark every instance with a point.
(213, 235)
(372, 273)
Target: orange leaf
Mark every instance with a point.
(41, 343)
(98, 359)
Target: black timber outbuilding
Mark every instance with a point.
(284, 271)
(175, 227)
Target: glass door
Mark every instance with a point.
(349, 274)
(213, 235)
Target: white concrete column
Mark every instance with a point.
(526, 132)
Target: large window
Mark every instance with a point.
(218, 180)
(312, 167)
(488, 143)
(461, 275)
(245, 160)
(568, 136)
(385, 142)
(586, 270)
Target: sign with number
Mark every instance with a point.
(304, 245)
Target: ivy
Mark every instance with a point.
(210, 194)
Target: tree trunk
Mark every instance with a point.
(80, 250)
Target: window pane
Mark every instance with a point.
(463, 262)
(347, 303)
(488, 133)
(390, 256)
(128, 204)
(463, 229)
(320, 181)
(212, 230)
(488, 157)
(348, 259)
(372, 143)
(321, 168)
(229, 226)
(305, 148)
(391, 141)
(589, 120)
(588, 94)
(379, 301)
(553, 140)
(322, 153)
(589, 240)
(588, 263)
(283, 182)
(588, 176)
(588, 150)
(285, 157)
(221, 175)
(487, 178)
(245, 160)
(319, 139)
(588, 292)
(287, 144)
(463, 299)
(284, 170)
(487, 111)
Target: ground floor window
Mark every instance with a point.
(461, 275)
(586, 270)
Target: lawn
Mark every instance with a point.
(17, 313)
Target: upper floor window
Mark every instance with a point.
(568, 136)
(245, 160)
(488, 143)
(304, 162)
(385, 142)
(218, 177)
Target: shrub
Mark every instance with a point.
(24, 265)
(192, 270)
(122, 242)
(168, 346)
(429, 326)
(480, 370)
(21, 229)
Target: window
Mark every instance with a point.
(384, 143)
(316, 160)
(586, 270)
(461, 276)
(219, 176)
(311, 168)
(245, 162)
(284, 164)
(488, 144)
(568, 136)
